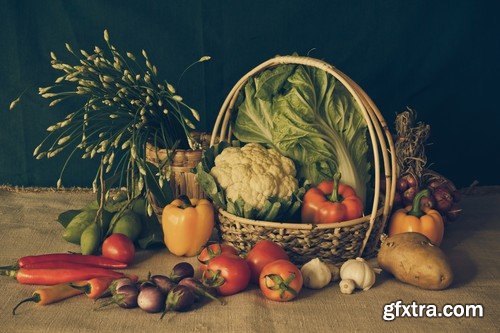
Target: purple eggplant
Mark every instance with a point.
(163, 283)
(199, 289)
(181, 271)
(179, 299)
(151, 299)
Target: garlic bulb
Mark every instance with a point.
(316, 274)
(359, 271)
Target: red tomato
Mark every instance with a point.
(280, 281)
(118, 247)
(263, 253)
(212, 251)
(215, 250)
(229, 274)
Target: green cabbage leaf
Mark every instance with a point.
(309, 116)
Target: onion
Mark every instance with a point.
(402, 184)
(444, 200)
(409, 195)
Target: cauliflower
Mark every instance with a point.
(254, 173)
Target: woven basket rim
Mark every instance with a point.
(298, 225)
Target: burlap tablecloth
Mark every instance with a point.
(27, 226)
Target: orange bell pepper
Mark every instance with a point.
(331, 201)
(416, 219)
(187, 225)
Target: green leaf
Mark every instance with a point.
(311, 118)
(65, 217)
(271, 81)
(231, 208)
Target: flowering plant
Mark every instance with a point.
(125, 106)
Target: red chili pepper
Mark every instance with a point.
(94, 288)
(74, 258)
(54, 265)
(54, 276)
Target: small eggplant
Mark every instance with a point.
(146, 285)
(181, 271)
(120, 283)
(129, 299)
(115, 285)
(124, 296)
(199, 289)
(151, 299)
(180, 299)
(163, 283)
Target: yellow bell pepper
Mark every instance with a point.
(187, 225)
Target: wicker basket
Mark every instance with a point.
(182, 180)
(335, 242)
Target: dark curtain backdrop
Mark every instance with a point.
(440, 57)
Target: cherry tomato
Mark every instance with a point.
(118, 247)
(263, 253)
(280, 281)
(229, 274)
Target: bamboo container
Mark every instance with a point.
(182, 180)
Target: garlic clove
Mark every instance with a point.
(347, 286)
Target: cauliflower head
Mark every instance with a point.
(254, 173)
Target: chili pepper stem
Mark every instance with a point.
(334, 197)
(8, 272)
(35, 298)
(85, 288)
(9, 267)
(415, 209)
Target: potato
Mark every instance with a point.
(412, 259)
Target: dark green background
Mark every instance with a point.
(440, 57)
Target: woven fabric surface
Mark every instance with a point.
(28, 226)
